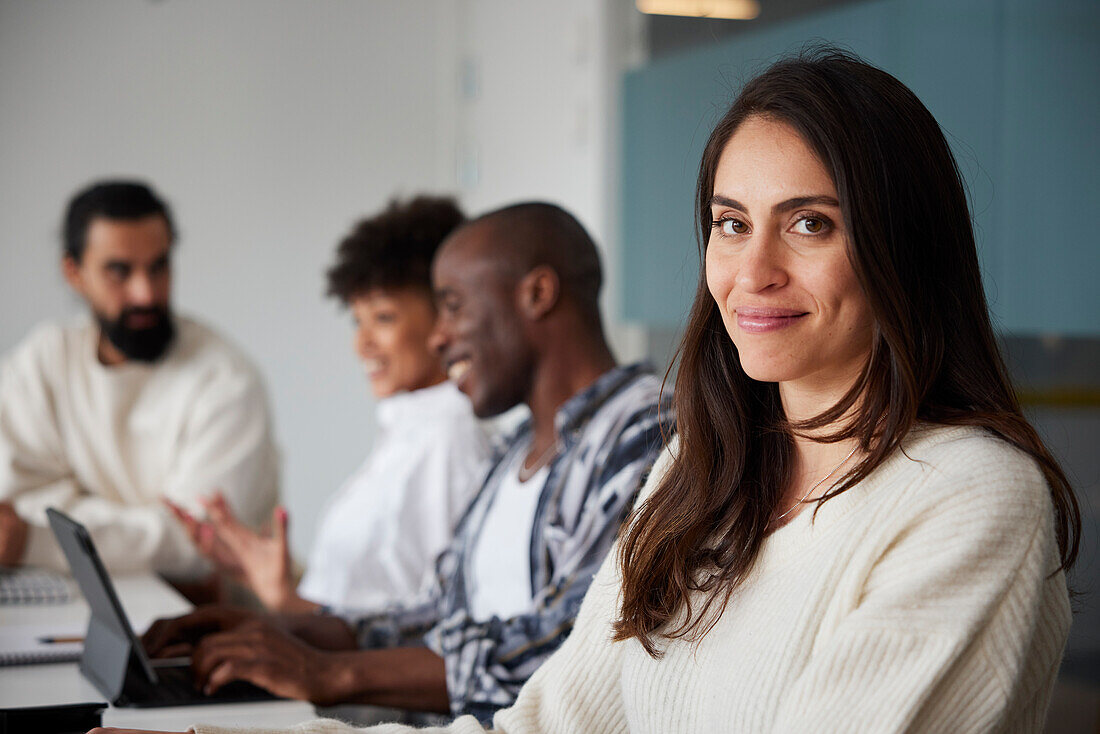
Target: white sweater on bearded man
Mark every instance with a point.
(924, 599)
(104, 444)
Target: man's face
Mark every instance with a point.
(125, 276)
(479, 333)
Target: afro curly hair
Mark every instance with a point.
(393, 249)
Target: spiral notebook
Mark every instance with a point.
(25, 586)
(24, 644)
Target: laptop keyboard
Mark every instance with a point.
(176, 684)
(175, 687)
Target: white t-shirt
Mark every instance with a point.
(500, 577)
(380, 534)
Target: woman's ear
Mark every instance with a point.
(538, 292)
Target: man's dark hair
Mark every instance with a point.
(393, 249)
(125, 200)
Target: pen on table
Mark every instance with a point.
(60, 640)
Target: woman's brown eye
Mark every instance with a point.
(734, 226)
(811, 225)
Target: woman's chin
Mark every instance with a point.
(767, 370)
(382, 389)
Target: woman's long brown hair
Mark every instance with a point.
(933, 359)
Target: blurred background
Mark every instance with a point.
(270, 126)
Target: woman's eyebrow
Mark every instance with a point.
(801, 201)
(783, 206)
(719, 200)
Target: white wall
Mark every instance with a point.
(536, 103)
(270, 125)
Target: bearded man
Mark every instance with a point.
(104, 417)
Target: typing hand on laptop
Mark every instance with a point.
(177, 637)
(229, 644)
(260, 652)
(113, 659)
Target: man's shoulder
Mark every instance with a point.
(643, 389)
(201, 347)
(630, 427)
(48, 343)
(641, 400)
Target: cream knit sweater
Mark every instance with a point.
(921, 600)
(104, 444)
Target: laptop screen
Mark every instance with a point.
(110, 643)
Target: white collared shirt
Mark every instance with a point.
(380, 534)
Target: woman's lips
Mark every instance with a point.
(760, 320)
(373, 367)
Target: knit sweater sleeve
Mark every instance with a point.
(957, 596)
(33, 471)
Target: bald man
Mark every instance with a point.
(519, 322)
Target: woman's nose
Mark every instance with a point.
(761, 265)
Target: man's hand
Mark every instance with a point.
(168, 638)
(228, 644)
(267, 656)
(13, 536)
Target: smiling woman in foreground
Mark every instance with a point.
(857, 530)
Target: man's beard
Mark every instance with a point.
(142, 345)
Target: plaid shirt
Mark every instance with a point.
(610, 435)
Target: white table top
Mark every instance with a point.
(145, 598)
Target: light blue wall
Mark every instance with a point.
(1015, 85)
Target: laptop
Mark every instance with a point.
(114, 660)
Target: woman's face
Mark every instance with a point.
(391, 337)
(777, 262)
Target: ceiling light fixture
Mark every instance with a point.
(726, 9)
